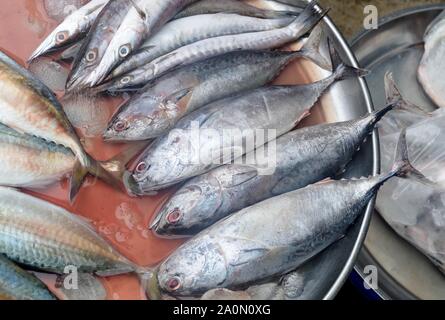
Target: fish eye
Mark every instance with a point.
(141, 167)
(61, 36)
(124, 51)
(91, 56)
(121, 125)
(174, 216)
(173, 284)
(126, 80)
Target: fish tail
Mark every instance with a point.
(151, 286)
(402, 166)
(394, 98)
(341, 69)
(308, 19)
(311, 49)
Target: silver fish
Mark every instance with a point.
(41, 235)
(72, 29)
(223, 128)
(301, 158)
(17, 284)
(219, 45)
(157, 107)
(181, 32)
(28, 106)
(28, 161)
(98, 39)
(432, 65)
(272, 237)
(231, 6)
(142, 20)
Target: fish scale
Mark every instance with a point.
(17, 284)
(184, 31)
(219, 45)
(277, 108)
(47, 237)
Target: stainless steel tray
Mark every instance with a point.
(397, 46)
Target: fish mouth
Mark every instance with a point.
(45, 47)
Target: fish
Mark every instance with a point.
(28, 106)
(273, 237)
(181, 32)
(96, 43)
(216, 134)
(31, 162)
(18, 284)
(301, 157)
(432, 65)
(41, 235)
(155, 109)
(231, 6)
(72, 29)
(142, 21)
(212, 47)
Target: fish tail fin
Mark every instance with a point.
(341, 69)
(94, 168)
(151, 285)
(311, 49)
(117, 165)
(402, 166)
(394, 98)
(308, 19)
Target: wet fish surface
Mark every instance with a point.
(231, 6)
(72, 29)
(272, 237)
(207, 48)
(39, 234)
(188, 30)
(156, 108)
(18, 284)
(95, 45)
(302, 157)
(223, 127)
(28, 161)
(143, 19)
(28, 106)
(432, 65)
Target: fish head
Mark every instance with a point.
(88, 59)
(144, 117)
(195, 268)
(189, 210)
(62, 36)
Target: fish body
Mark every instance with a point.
(181, 32)
(301, 157)
(157, 107)
(275, 236)
(212, 47)
(143, 19)
(95, 45)
(268, 239)
(72, 29)
(17, 284)
(215, 135)
(28, 106)
(28, 161)
(39, 234)
(432, 65)
(230, 6)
